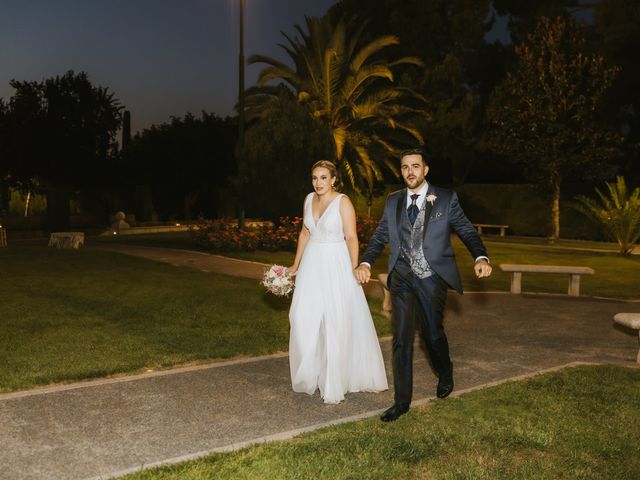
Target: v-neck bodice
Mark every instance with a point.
(328, 228)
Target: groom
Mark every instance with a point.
(417, 223)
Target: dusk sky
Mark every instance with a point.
(161, 58)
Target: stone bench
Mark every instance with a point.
(630, 320)
(502, 228)
(573, 272)
(386, 301)
(3, 237)
(66, 239)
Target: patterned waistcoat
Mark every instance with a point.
(411, 239)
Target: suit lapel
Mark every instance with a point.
(427, 212)
(400, 207)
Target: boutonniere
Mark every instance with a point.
(431, 198)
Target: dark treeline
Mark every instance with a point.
(184, 166)
(462, 70)
(59, 136)
(553, 101)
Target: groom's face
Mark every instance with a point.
(413, 171)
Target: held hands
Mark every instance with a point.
(362, 273)
(482, 268)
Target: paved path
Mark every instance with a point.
(190, 258)
(108, 427)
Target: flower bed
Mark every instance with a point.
(222, 235)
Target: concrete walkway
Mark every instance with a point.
(105, 428)
(190, 258)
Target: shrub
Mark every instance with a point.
(222, 235)
(618, 214)
(284, 237)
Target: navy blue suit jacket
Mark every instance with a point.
(445, 216)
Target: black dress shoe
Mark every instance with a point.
(445, 387)
(393, 413)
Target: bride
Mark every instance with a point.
(333, 344)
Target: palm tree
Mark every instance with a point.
(344, 82)
(618, 214)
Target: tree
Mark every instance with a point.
(346, 84)
(186, 163)
(460, 71)
(278, 154)
(61, 133)
(616, 24)
(524, 16)
(4, 167)
(545, 114)
(618, 214)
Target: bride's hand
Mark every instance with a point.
(362, 273)
(293, 269)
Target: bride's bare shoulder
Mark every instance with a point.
(345, 201)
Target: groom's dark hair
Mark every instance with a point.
(416, 151)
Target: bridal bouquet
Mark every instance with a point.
(278, 280)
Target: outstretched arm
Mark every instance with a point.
(469, 236)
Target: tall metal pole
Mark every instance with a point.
(241, 116)
(241, 77)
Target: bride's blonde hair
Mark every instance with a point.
(333, 171)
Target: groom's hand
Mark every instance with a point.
(482, 268)
(362, 273)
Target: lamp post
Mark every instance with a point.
(241, 77)
(240, 117)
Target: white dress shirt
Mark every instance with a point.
(422, 195)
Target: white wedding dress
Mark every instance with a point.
(333, 344)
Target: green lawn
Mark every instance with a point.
(615, 276)
(180, 240)
(67, 315)
(579, 423)
(560, 243)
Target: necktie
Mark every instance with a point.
(412, 211)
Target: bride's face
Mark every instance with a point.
(322, 180)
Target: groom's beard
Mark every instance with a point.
(414, 184)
